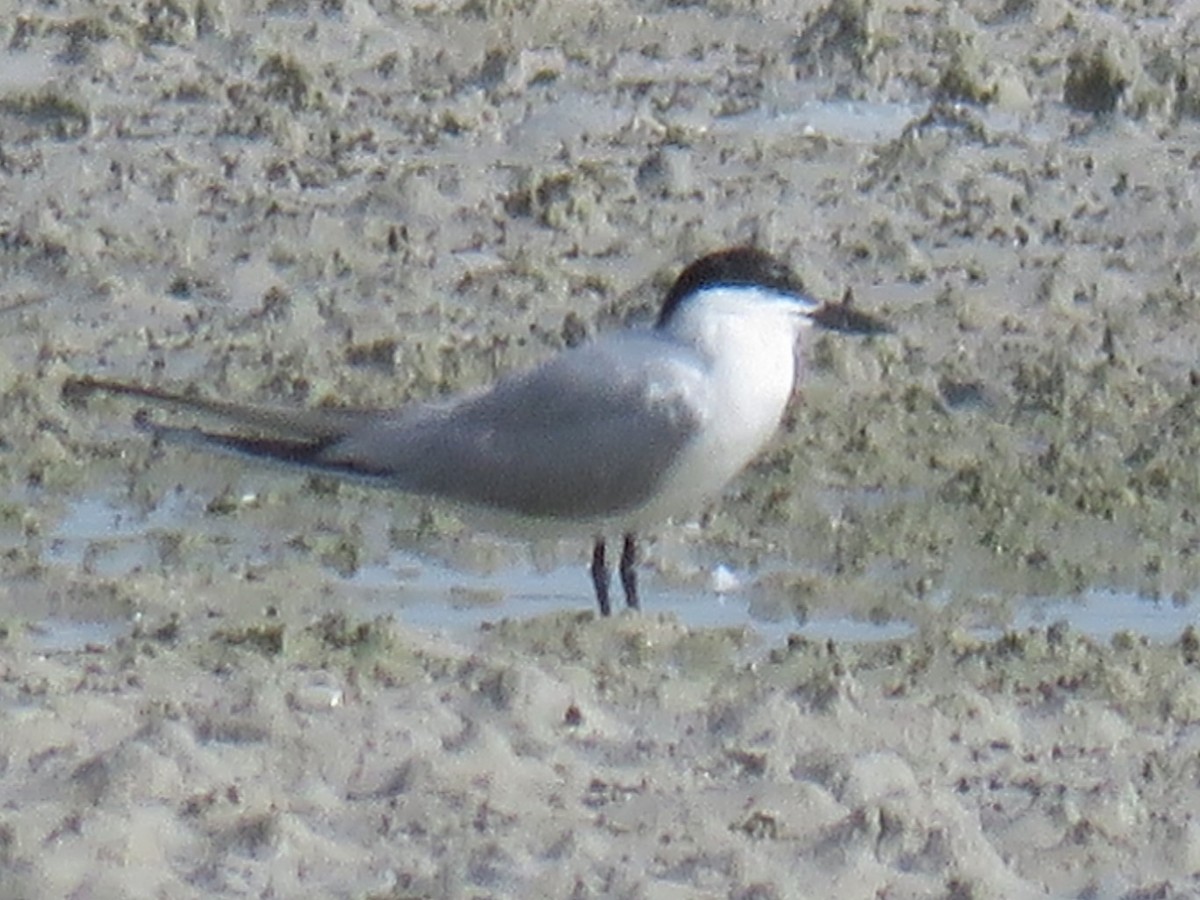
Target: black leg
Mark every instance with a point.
(600, 577)
(629, 571)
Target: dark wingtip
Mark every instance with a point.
(291, 451)
(304, 453)
(76, 389)
(732, 267)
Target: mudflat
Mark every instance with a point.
(208, 688)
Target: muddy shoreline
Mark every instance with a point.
(359, 203)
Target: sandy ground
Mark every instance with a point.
(203, 694)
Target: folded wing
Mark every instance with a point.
(591, 433)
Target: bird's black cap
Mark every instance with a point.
(752, 267)
(735, 267)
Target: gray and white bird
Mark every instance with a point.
(608, 438)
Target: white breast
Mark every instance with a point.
(748, 338)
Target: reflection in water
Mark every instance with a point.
(438, 597)
(102, 535)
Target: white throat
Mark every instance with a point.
(747, 336)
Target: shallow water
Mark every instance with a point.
(111, 538)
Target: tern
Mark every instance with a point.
(608, 438)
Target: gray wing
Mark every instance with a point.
(590, 433)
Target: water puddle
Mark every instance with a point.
(433, 596)
(52, 636)
(1101, 614)
(103, 535)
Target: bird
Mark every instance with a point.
(610, 437)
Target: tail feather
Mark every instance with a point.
(301, 425)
